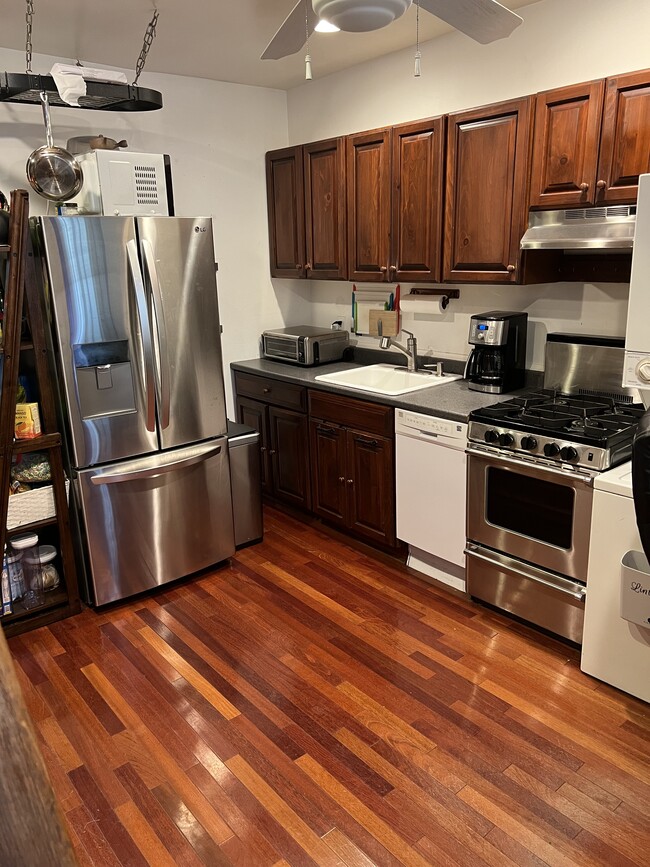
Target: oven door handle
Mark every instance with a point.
(539, 468)
(507, 564)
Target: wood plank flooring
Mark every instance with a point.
(311, 705)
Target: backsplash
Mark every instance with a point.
(574, 308)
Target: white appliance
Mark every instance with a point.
(430, 476)
(122, 183)
(637, 338)
(613, 649)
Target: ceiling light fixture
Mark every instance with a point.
(417, 72)
(360, 16)
(308, 75)
(326, 27)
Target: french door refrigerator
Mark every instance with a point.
(137, 341)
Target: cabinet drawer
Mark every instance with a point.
(359, 414)
(271, 391)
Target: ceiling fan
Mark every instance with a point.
(482, 20)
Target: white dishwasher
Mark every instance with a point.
(430, 481)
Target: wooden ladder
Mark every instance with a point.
(22, 294)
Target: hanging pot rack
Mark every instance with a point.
(26, 87)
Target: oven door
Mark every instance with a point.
(529, 511)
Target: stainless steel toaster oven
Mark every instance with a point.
(304, 344)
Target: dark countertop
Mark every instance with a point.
(452, 400)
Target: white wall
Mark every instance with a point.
(560, 42)
(216, 134)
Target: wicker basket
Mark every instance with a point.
(32, 506)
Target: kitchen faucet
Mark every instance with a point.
(410, 350)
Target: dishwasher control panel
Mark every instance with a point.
(415, 422)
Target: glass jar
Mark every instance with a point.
(28, 546)
(46, 555)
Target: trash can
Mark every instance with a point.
(246, 483)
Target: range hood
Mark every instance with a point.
(589, 229)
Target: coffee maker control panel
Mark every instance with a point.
(488, 332)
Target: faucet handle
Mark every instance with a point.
(410, 333)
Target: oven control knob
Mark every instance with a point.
(506, 440)
(551, 450)
(568, 453)
(491, 436)
(528, 443)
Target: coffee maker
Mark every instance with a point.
(497, 363)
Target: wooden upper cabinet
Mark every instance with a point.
(591, 142)
(486, 192)
(286, 210)
(368, 168)
(625, 137)
(418, 183)
(325, 210)
(565, 146)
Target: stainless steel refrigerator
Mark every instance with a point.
(137, 341)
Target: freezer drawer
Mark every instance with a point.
(152, 520)
(548, 600)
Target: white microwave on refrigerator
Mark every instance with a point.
(123, 183)
(636, 372)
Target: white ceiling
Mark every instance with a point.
(220, 40)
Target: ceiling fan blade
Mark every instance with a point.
(482, 20)
(292, 36)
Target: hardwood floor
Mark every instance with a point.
(311, 705)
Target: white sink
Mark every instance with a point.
(386, 379)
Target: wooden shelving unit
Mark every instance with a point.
(22, 295)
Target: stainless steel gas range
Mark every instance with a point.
(532, 463)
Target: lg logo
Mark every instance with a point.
(200, 229)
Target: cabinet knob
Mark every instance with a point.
(271, 451)
(393, 269)
(584, 187)
(511, 268)
(383, 269)
(298, 266)
(350, 481)
(262, 449)
(341, 479)
(308, 266)
(266, 390)
(601, 184)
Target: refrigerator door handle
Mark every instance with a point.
(151, 472)
(163, 347)
(145, 329)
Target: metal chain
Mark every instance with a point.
(28, 40)
(149, 37)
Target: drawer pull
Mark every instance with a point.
(364, 442)
(328, 431)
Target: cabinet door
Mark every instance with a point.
(417, 170)
(286, 209)
(289, 452)
(328, 477)
(485, 211)
(368, 192)
(325, 215)
(371, 487)
(256, 414)
(565, 146)
(625, 137)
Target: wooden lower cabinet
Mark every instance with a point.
(352, 466)
(289, 453)
(284, 435)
